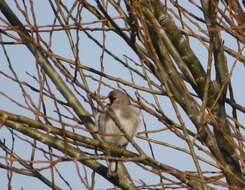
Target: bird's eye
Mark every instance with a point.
(112, 99)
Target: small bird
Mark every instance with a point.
(127, 114)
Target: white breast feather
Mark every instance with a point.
(110, 127)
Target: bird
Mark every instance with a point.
(128, 116)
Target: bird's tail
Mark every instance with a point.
(112, 168)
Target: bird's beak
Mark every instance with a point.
(105, 100)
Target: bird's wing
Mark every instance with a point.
(140, 117)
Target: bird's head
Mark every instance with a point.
(118, 97)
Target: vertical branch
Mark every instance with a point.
(221, 127)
